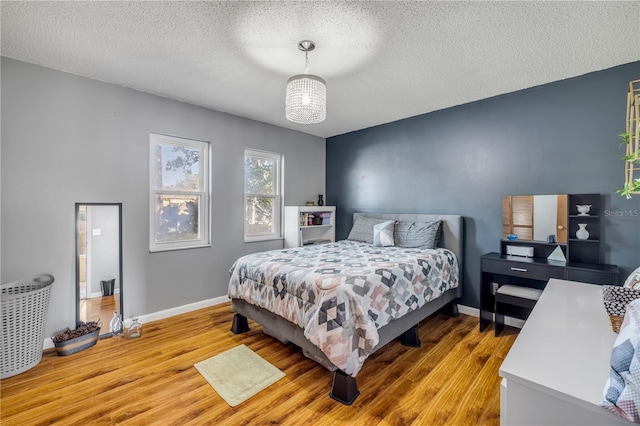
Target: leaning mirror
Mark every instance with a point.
(535, 217)
(98, 237)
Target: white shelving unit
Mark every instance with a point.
(297, 230)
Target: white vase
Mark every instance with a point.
(582, 233)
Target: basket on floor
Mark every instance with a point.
(615, 300)
(25, 304)
(73, 345)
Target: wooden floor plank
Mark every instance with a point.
(452, 373)
(451, 379)
(438, 335)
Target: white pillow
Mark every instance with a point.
(383, 234)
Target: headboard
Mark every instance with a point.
(452, 230)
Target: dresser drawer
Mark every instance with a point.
(522, 269)
(592, 276)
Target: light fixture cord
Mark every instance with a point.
(306, 62)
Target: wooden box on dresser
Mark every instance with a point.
(583, 261)
(300, 230)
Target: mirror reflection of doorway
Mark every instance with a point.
(98, 262)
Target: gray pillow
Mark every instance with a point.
(418, 234)
(362, 229)
(383, 234)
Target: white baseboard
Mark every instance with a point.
(475, 312)
(156, 316)
(96, 294)
(468, 310)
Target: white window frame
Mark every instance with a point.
(204, 209)
(277, 197)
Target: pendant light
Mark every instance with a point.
(306, 100)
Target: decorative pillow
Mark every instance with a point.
(622, 390)
(438, 235)
(633, 280)
(417, 234)
(383, 234)
(362, 229)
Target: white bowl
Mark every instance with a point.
(583, 209)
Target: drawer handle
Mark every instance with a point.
(519, 269)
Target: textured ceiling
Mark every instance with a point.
(382, 61)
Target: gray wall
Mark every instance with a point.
(68, 139)
(556, 138)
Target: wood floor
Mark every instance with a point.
(452, 379)
(100, 308)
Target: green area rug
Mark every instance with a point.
(238, 374)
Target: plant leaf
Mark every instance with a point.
(624, 139)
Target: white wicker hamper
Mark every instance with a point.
(24, 312)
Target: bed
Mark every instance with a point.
(340, 302)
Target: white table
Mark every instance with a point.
(557, 368)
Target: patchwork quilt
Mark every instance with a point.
(341, 293)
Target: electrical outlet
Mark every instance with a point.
(97, 231)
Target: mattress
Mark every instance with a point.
(341, 294)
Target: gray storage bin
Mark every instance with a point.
(25, 304)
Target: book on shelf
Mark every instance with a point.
(305, 219)
(326, 218)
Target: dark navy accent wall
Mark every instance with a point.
(556, 138)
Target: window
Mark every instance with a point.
(178, 193)
(262, 195)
